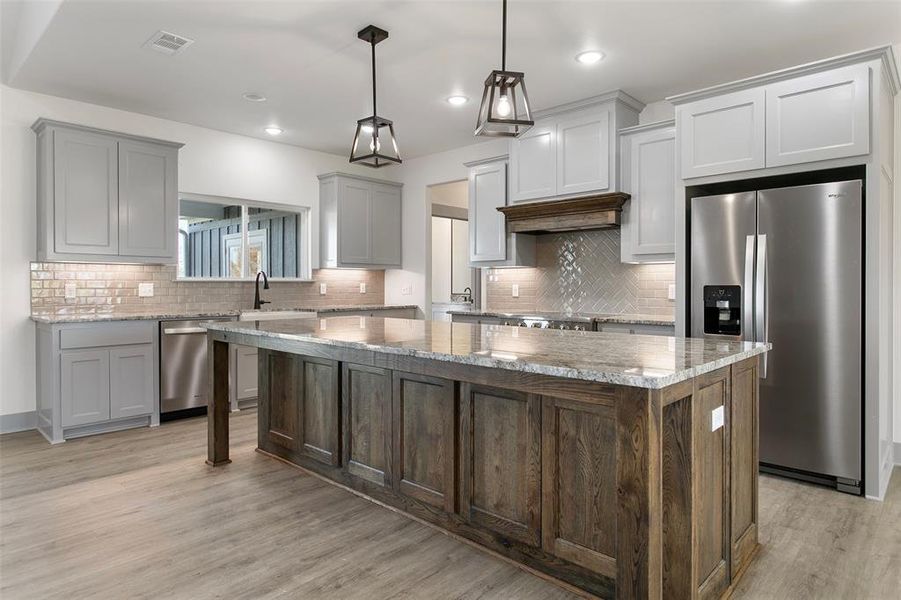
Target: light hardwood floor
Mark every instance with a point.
(138, 514)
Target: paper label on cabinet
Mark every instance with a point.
(717, 418)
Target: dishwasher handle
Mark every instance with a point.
(183, 330)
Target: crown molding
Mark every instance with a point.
(485, 161)
(647, 127)
(614, 95)
(358, 177)
(42, 123)
(883, 53)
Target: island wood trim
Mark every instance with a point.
(674, 493)
(218, 402)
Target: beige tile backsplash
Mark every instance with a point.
(582, 272)
(112, 289)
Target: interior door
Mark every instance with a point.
(810, 388)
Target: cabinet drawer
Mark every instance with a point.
(108, 334)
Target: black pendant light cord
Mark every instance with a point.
(375, 131)
(504, 39)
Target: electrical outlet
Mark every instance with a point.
(671, 291)
(406, 290)
(717, 418)
(516, 290)
(362, 288)
(70, 291)
(145, 290)
(322, 289)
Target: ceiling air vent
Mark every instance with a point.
(168, 43)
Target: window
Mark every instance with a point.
(220, 238)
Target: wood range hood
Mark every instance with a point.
(600, 211)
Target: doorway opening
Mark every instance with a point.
(455, 286)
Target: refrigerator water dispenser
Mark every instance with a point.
(722, 309)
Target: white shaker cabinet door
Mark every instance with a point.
(148, 200)
(818, 117)
(385, 225)
(724, 134)
(533, 164)
(487, 226)
(653, 189)
(85, 387)
(354, 221)
(583, 154)
(131, 389)
(246, 375)
(86, 193)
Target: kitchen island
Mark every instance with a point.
(623, 465)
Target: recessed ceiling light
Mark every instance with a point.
(254, 97)
(589, 57)
(457, 100)
(273, 130)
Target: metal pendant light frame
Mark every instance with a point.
(380, 130)
(489, 123)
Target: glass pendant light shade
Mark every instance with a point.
(505, 110)
(374, 142)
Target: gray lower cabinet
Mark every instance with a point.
(105, 196)
(85, 387)
(96, 377)
(359, 222)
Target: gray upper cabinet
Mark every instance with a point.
(571, 151)
(359, 222)
(105, 196)
(489, 243)
(148, 199)
(86, 198)
(648, 230)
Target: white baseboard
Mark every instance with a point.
(18, 422)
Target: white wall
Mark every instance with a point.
(896, 271)
(417, 175)
(212, 162)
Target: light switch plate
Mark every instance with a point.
(671, 291)
(717, 418)
(145, 290)
(70, 291)
(362, 288)
(322, 289)
(516, 290)
(406, 290)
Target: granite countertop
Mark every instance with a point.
(209, 314)
(646, 361)
(629, 319)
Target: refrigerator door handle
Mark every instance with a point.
(747, 300)
(760, 300)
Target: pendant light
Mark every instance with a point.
(505, 110)
(374, 142)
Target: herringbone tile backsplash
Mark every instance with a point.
(582, 272)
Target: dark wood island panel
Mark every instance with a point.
(620, 491)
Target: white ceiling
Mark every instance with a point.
(305, 58)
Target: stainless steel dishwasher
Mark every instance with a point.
(183, 365)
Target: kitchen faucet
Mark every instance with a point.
(257, 303)
(468, 293)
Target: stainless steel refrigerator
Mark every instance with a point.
(785, 266)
